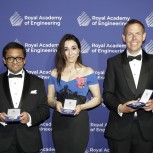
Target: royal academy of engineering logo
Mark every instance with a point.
(85, 48)
(149, 47)
(16, 40)
(149, 20)
(16, 19)
(83, 19)
(103, 20)
(35, 20)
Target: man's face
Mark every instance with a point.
(134, 37)
(14, 65)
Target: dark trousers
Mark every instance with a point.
(15, 147)
(134, 143)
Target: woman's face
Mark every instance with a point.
(71, 51)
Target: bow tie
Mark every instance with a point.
(15, 76)
(130, 58)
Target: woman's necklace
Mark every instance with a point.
(73, 73)
(77, 71)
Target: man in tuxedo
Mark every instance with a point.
(22, 91)
(129, 130)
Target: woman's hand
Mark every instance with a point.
(77, 110)
(59, 106)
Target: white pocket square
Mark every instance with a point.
(33, 92)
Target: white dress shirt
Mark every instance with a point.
(17, 84)
(135, 66)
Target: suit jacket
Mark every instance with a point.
(119, 87)
(35, 104)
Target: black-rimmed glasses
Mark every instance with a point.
(11, 59)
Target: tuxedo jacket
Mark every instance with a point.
(119, 87)
(33, 101)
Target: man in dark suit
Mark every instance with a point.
(129, 130)
(25, 92)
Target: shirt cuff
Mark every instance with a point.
(119, 113)
(29, 123)
(3, 123)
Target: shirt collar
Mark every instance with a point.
(21, 72)
(129, 54)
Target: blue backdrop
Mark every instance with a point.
(39, 26)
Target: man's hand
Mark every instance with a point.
(123, 108)
(149, 106)
(3, 116)
(24, 117)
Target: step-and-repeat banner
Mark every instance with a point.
(39, 26)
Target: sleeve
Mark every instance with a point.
(51, 80)
(109, 96)
(30, 122)
(39, 110)
(92, 79)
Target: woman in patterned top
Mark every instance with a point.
(71, 80)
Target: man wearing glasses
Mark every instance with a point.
(23, 104)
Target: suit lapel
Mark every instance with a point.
(143, 74)
(7, 89)
(128, 73)
(26, 87)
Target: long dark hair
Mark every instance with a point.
(60, 57)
